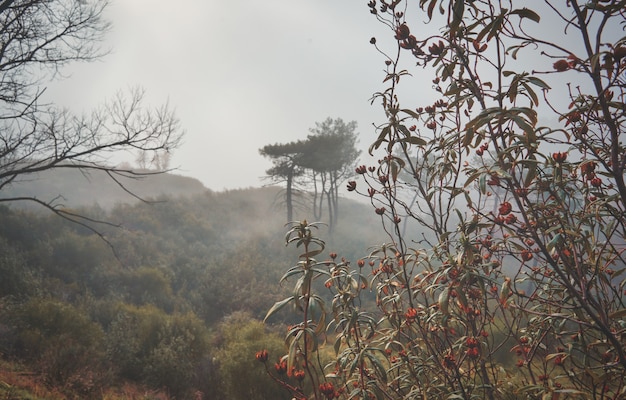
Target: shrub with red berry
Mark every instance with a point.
(502, 199)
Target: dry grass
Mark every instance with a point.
(17, 383)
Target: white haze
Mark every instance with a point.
(245, 73)
(240, 73)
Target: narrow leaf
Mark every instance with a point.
(444, 298)
(527, 13)
(414, 140)
(277, 306)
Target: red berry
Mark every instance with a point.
(510, 219)
(561, 65)
(596, 182)
(505, 208)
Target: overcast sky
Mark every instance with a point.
(245, 73)
(240, 73)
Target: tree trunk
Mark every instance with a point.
(289, 195)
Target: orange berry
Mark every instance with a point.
(262, 355)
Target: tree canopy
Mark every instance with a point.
(320, 163)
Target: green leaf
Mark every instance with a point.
(337, 344)
(552, 243)
(410, 112)
(522, 123)
(292, 271)
(538, 82)
(595, 61)
(277, 306)
(472, 178)
(467, 138)
(484, 32)
(394, 172)
(404, 130)
(414, 140)
(378, 366)
(293, 351)
(355, 362)
(364, 281)
(303, 283)
(527, 13)
(530, 176)
(382, 137)
(447, 71)
(311, 253)
(321, 325)
(457, 17)
(496, 28)
(320, 271)
(482, 183)
(531, 94)
(315, 307)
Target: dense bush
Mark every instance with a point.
(148, 345)
(62, 343)
(152, 297)
(238, 338)
(514, 171)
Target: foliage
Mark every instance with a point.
(237, 338)
(330, 160)
(148, 285)
(181, 266)
(19, 382)
(516, 178)
(16, 279)
(163, 350)
(286, 168)
(62, 342)
(321, 162)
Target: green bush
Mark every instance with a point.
(239, 338)
(150, 346)
(17, 279)
(62, 343)
(148, 285)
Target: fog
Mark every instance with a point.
(240, 74)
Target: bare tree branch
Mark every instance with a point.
(38, 38)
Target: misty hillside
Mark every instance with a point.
(167, 291)
(260, 209)
(73, 188)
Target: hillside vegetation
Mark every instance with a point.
(75, 188)
(169, 304)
